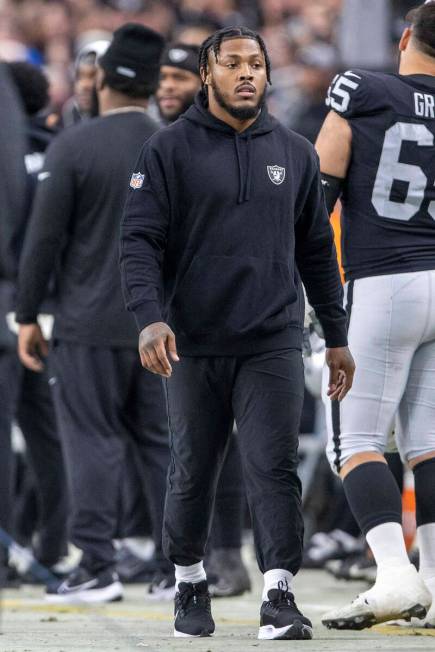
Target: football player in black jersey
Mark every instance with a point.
(376, 150)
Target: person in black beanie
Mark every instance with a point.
(102, 395)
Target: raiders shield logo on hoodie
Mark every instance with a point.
(276, 174)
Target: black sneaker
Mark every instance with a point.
(323, 547)
(357, 568)
(192, 610)
(162, 586)
(81, 586)
(281, 619)
(9, 578)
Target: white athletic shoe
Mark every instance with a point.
(162, 587)
(81, 587)
(398, 593)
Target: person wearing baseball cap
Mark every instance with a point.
(83, 104)
(179, 80)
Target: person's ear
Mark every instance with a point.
(99, 79)
(406, 37)
(205, 76)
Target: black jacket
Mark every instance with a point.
(211, 235)
(38, 137)
(74, 230)
(12, 172)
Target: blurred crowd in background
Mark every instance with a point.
(306, 39)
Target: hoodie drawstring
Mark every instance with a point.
(239, 162)
(249, 172)
(244, 186)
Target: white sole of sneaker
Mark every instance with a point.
(296, 631)
(110, 593)
(161, 594)
(178, 634)
(219, 592)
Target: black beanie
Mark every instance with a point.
(134, 54)
(180, 55)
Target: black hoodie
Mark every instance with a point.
(213, 225)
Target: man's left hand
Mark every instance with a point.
(32, 347)
(341, 370)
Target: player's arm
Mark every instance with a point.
(51, 212)
(351, 94)
(316, 261)
(334, 147)
(144, 230)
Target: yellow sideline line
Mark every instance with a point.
(19, 605)
(396, 630)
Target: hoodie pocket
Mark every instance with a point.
(233, 296)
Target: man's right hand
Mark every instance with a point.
(32, 347)
(156, 341)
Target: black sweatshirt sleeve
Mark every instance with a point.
(143, 239)
(13, 178)
(316, 260)
(51, 213)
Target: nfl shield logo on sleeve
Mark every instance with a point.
(136, 180)
(276, 174)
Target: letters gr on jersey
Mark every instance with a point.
(424, 105)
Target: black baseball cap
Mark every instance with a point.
(180, 55)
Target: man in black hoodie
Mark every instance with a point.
(224, 218)
(179, 83)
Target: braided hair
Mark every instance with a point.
(422, 20)
(213, 43)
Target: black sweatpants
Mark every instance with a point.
(8, 383)
(227, 523)
(26, 397)
(264, 394)
(103, 397)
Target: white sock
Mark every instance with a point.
(271, 579)
(388, 545)
(426, 547)
(193, 574)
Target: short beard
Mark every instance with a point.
(242, 112)
(187, 102)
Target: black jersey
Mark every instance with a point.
(388, 218)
